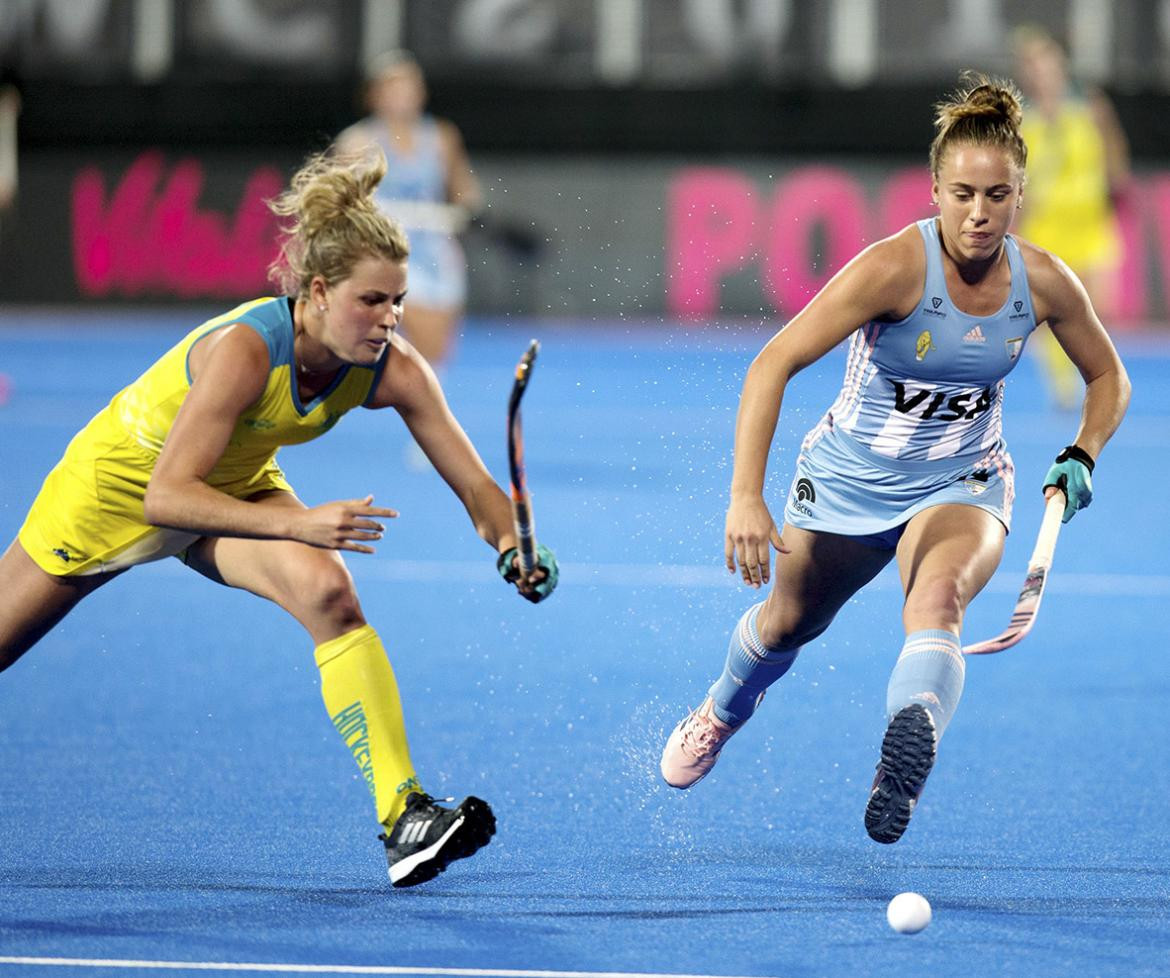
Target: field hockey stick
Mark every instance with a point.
(1028, 603)
(521, 503)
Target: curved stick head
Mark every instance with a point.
(515, 432)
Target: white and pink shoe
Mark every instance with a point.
(694, 746)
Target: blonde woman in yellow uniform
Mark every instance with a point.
(1078, 163)
(182, 462)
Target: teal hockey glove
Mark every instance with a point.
(1072, 474)
(509, 569)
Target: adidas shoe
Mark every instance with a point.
(694, 746)
(427, 837)
(908, 751)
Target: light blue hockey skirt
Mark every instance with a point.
(842, 487)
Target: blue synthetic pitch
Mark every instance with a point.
(172, 790)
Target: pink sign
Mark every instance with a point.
(711, 231)
(796, 263)
(149, 234)
(794, 235)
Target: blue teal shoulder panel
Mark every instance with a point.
(273, 321)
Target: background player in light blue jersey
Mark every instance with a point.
(429, 187)
(909, 463)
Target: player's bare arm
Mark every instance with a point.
(1062, 302)
(229, 371)
(409, 386)
(884, 281)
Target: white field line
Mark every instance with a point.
(327, 969)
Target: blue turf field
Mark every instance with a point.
(173, 791)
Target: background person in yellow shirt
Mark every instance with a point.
(1078, 164)
(182, 462)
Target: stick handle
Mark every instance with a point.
(525, 527)
(1049, 531)
(522, 521)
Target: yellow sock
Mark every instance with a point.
(361, 695)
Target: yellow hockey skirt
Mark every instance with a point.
(88, 517)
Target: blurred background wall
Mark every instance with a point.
(641, 159)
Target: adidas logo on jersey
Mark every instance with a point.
(974, 335)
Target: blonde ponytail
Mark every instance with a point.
(335, 221)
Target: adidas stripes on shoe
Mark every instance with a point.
(427, 837)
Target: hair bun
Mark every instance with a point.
(985, 111)
(334, 220)
(996, 97)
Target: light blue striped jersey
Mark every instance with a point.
(418, 175)
(438, 269)
(931, 385)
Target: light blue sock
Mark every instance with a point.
(929, 671)
(750, 669)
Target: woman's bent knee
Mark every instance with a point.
(939, 600)
(783, 632)
(323, 596)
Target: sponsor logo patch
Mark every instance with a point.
(927, 403)
(805, 493)
(976, 483)
(924, 345)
